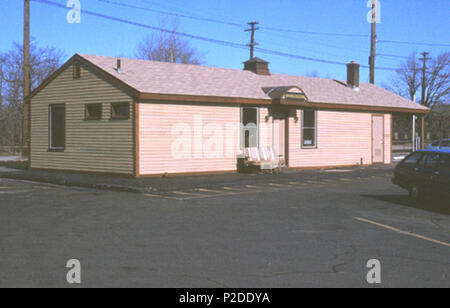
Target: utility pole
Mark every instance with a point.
(26, 79)
(424, 75)
(373, 42)
(424, 87)
(252, 41)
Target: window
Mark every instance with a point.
(250, 127)
(412, 159)
(430, 160)
(445, 144)
(309, 129)
(77, 71)
(93, 111)
(120, 111)
(436, 143)
(57, 127)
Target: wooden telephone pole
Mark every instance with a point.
(424, 75)
(252, 41)
(423, 99)
(373, 42)
(26, 79)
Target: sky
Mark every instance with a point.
(416, 21)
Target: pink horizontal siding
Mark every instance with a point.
(343, 138)
(175, 138)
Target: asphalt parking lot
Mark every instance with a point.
(276, 233)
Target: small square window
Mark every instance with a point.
(120, 111)
(93, 111)
(77, 71)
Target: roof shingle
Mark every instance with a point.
(183, 79)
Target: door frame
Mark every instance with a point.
(285, 120)
(384, 141)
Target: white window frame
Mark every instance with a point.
(242, 133)
(303, 146)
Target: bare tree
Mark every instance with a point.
(438, 81)
(408, 79)
(168, 47)
(43, 62)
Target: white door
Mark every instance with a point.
(279, 138)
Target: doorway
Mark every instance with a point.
(280, 143)
(377, 139)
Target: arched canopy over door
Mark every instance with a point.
(286, 95)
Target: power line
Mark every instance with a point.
(173, 14)
(415, 43)
(391, 56)
(191, 36)
(283, 54)
(230, 23)
(201, 38)
(314, 32)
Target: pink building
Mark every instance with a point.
(143, 118)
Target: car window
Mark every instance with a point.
(429, 160)
(445, 143)
(412, 159)
(435, 144)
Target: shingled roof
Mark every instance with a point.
(152, 77)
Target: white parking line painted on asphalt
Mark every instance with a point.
(14, 192)
(280, 185)
(183, 193)
(162, 197)
(209, 191)
(402, 232)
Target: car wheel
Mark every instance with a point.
(415, 193)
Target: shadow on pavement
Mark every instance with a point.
(440, 206)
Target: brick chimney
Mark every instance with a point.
(353, 75)
(257, 66)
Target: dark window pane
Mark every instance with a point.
(309, 118)
(57, 127)
(445, 143)
(309, 129)
(412, 159)
(120, 111)
(250, 115)
(94, 112)
(435, 144)
(309, 138)
(250, 127)
(430, 160)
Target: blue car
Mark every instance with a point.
(439, 145)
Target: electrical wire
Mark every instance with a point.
(201, 38)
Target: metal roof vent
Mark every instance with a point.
(119, 66)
